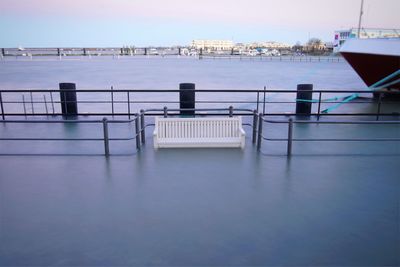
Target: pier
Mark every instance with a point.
(88, 191)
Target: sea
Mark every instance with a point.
(168, 72)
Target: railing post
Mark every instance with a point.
(379, 106)
(260, 126)
(2, 107)
(137, 131)
(129, 106)
(106, 141)
(231, 111)
(258, 99)
(112, 100)
(52, 102)
(290, 137)
(265, 88)
(319, 105)
(33, 109)
(142, 126)
(255, 119)
(165, 112)
(45, 104)
(23, 103)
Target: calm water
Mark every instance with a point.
(158, 73)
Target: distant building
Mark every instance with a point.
(213, 44)
(342, 35)
(270, 45)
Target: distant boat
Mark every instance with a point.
(20, 48)
(374, 60)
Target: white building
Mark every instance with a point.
(213, 44)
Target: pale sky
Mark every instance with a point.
(62, 23)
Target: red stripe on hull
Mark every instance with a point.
(373, 68)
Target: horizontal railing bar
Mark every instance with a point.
(334, 139)
(333, 122)
(195, 90)
(65, 121)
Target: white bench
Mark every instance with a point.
(198, 132)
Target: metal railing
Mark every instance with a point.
(290, 132)
(104, 122)
(112, 102)
(257, 105)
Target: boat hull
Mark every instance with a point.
(373, 68)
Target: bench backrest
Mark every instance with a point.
(198, 128)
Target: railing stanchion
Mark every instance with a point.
(260, 126)
(33, 109)
(265, 88)
(2, 107)
(142, 126)
(106, 140)
(165, 112)
(379, 106)
(231, 111)
(319, 105)
(258, 100)
(137, 131)
(52, 102)
(45, 104)
(23, 103)
(255, 119)
(290, 137)
(112, 100)
(129, 106)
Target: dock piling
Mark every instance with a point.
(69, 105)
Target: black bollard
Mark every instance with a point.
(58, 52)
(3, 52)
(187, 98)
(304, 99)
(179, 51)
(145, 51)
(84, 51)
(69, 106)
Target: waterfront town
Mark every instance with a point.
(215, 48)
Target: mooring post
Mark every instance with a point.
(304, 99)
(187, 99)
(69, 104)
(3, 52)
(290, 137)
(260, 126)
(142, 126)
(137, 131)
(106, 140)
(255, 119)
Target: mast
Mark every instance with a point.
(360, 19)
